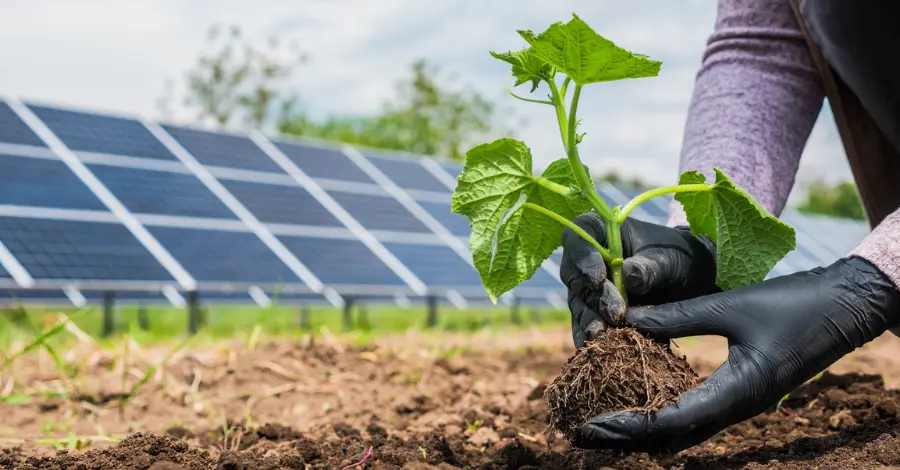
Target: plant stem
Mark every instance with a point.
(555, 187)
(568, 223)
(567, 128)
(649, 194)
(614, 241)
(529, 100)
(560, 105)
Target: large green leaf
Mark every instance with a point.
(585, 56)
(489, 190)
(526, 66)
(749, 240)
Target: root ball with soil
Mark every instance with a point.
(621, 370)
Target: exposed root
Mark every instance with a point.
(619, 371)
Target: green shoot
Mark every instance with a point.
(518, 218)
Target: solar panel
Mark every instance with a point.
(344, 262)
(435, 265)
(57, 249)
(281, 204)
(125, 296)
(379, 212)
(14, 131)
(542, 280)
(3, 273)
(457, 224)
(225, 150)
(318, 162)
(453, 169)
(28, 181)
(142, 192)
(11, 296)
(219, 256)
(408, 173)
(102, 134)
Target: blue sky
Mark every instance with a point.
(115, 55)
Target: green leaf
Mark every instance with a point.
(749, 240)
(494, 178)
(585, 56)
(526, 66)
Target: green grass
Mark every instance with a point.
(167, 324)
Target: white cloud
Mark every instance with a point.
(114, 55)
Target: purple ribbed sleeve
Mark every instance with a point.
(756, 98)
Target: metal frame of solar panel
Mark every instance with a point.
(109, 202)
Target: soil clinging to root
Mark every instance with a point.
(621, 370)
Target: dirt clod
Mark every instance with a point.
(621, 370)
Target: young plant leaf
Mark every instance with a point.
(749, 240)
(527, 66)
(489, 189)
(587, 57)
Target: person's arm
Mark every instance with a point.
(756, 98)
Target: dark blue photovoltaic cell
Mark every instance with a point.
(210, 255)
(408, 174)
(103, 134)
(435, 265)
(55, 249)
(161, 192)
(379, 212)
(14, 131)
(455, 223)
(3, 273)
(341, 261)
(319, 162)
(27, 181)
(453, 169)
(231, 151)
(276, 204)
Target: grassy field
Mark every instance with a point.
(222, 322)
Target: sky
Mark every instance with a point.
(113, 55)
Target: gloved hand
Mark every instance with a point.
(781, 333)
(662, 264)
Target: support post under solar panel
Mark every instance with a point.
(305, 323)
(109, 303)
(348, 313)
(193, 305)
(362, 318)
(432, 320)
(143, 320)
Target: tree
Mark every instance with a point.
(426, 116)
(236, 81)
(840, 200)
(613, 178)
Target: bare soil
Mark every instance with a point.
(418, 402)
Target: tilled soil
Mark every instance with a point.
(474, 408)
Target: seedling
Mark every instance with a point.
(517, 218)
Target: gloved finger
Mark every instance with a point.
(586, 323)
(599, 437)
(654, 269)
(608, 302)
(579, 255)
(695, 417)
(707, 315)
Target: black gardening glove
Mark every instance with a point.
(781, 333)
(662, 264)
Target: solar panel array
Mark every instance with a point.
(95, 202)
